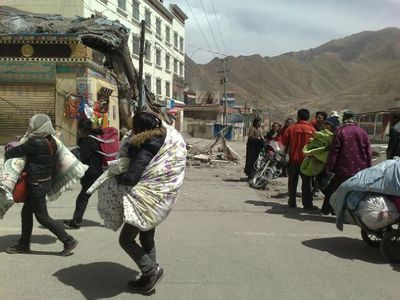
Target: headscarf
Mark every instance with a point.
(39, 126)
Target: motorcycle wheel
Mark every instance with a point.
(390, 246)
(371, 239)
(258, 181)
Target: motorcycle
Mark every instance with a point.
(268, 165)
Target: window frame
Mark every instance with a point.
(124, 5)
(147, 13)
(158, 54)
(158, 86)
(133, 10)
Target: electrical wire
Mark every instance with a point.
(198, 25)
(209, 25)
(219, 27)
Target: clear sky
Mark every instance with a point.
(273, 27)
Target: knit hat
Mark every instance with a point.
(348, 115)
(333, 121)
(334, 113)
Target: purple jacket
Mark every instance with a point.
(350, 151)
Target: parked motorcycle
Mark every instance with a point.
(268, 165)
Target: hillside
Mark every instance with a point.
(359, 72)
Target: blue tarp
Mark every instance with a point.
(229, 135)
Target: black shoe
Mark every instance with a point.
(292, 205)
(138, 283)
(311, 208)
(152, 281)
(70, 224)
(68, 247)
(18, 249)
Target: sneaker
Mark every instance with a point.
(138, 283)
(291, 205)
(18, 249)
(68, 247)
(152, 281)
(70, 224)
(311, 208)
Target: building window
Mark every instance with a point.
(175, 66)
(181, 69)
(135, 45)
(122, 4)
(181, 44)
(147, 81)
(158, 26)
(158, 57)
(167, 62)
(158, 86)
(135, 10)
(147, 51)
(168, 34)
(167, 89)
(175, 39)
(147, 18)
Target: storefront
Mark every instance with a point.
(55, 75)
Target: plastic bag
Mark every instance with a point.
(377, 211)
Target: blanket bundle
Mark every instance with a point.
(316, 152)
(69, 171)
(148, 203)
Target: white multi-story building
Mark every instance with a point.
(165, 34)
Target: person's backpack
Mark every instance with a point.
(109, 144)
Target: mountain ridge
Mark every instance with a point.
(359, 72)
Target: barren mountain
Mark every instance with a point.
(360, 72)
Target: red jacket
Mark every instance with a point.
(295, 138)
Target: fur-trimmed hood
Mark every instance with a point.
(139, 139)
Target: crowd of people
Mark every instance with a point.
(151, 168)
(324, 152)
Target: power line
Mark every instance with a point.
(207, 50)
(198, 25)
(219, 27)
(209, 25)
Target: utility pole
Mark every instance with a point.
(224, 80)
(245, 120)
(141, 58)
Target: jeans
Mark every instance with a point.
(145, 255)
(306, 189)
(36, 204)
(83, 198)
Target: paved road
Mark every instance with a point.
(223, 241)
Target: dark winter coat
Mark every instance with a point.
(393, 148)
(40, 155)
(350, 151)
(143, 148)
(89, 155)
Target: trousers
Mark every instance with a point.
(306, 188)
(144, 255)
(36, 205)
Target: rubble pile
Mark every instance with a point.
(208, 157)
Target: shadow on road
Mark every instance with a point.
(97, 280)
(346, 248)
(244, 179)
(43, 239)
(85, 223)
(290, 213)
(12, 239)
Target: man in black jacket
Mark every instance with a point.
(393, 148)
(89, 155)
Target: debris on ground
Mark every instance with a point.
(211, 155)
